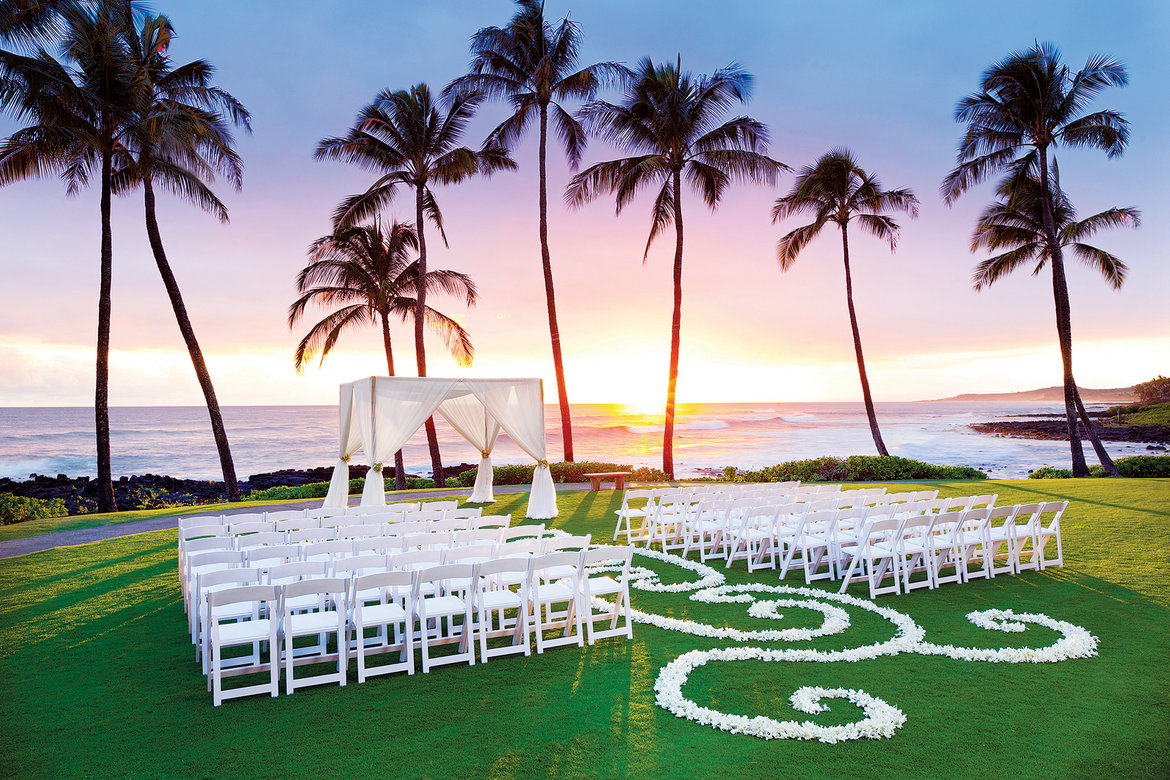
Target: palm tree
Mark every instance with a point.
(1028, 104)
(370, 275)
(77, 109)
(836, 189)
(409, 142)
(179, 137)
(668, 122)
(1015, 223)
(533, 64)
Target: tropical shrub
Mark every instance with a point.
(18, 509)
(857, 468)
(1134, 467)
(561, 473)
(1048, 472)
(1156, 391)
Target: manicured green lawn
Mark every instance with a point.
(98, 678)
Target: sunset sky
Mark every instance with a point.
(880, 78)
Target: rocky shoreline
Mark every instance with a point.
(148, 491)
(1055, 428)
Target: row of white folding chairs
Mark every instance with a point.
(850, 546)
(688, 494)
(751, 531)
(213, 550)
(320, 513)
(298, 520)
(709, 525)
(252, 534)
(207, 571)
(462, 604)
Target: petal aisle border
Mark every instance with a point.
(881, 719)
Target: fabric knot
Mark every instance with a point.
(485, 453)
(345, 459)
(542, 464)
(378, 467)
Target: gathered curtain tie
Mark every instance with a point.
(485, 453)
(542, 464)
(377, 467)
(344, 459)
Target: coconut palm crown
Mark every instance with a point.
(670, 122)
(532, 63)
(837, 190)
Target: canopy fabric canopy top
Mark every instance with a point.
(379, 414)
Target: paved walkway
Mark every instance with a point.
(30, 544)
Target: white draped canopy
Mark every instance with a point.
(379, 414)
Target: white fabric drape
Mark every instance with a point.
(519, 408)
(351, 442)
(387, 413)
(467, 415)
(379, 415)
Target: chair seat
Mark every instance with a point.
(553, 592)
(440, 606)
(604, 584)
(378, 614)
(501, 599)
(244, 632)
(559, 572)
(310, 623)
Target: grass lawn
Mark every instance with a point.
(98, 677)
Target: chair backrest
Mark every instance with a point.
(382, 544)
(426, 541)
(947, 524)
(490, 521)
(599, 555)
(403, 506)
(467, 513)
(477, 536)
(393, 584)
(1053, 511)
(523, 548)
(293, 572)
(1006, 515)
(490, 568)
(326, 551)
(274, 555)
(201, 521)
(448, 525)
(925, 495)
(515, 532)
(1028, 516)
(285, 514)
(257, 593)
(289, 524)
(262, 539)
(440, 505)
(917, 527)
(360, 564)
(416, 559)
(368, 509)
(325, 511)
(408, 527)
(206, 543)
(216, 558)
(884, 529)
(453, 576)
(239, 528)
(342, 521)
(953, 503)
(312, 535)
(555, 543)
(217, 579)
(362, 531)
(976, 520)
(464, 552)
(984, 501)
(551, 565)
(336, 588)
(377, 518)
(819, 503)
(424, 515)
(245, 517)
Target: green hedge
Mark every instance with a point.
(856, 468)
(1135, 467)
(321, 489)
(18, 509)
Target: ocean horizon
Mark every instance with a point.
(176, 440)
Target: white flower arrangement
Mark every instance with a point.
(881, 719)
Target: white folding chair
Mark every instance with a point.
(390, 615)
(284, 515)
(200, 521)
(311, 535)
(228, 629)
(515, 532)
(501, 611)
(1049, 529)
(212, 560)
(489, 521)
(1027, 537)
(466, 513)
(628, 513)
(327, 551)
(384, 545)
(436, 614)
(1001, 539)
(329, 615)
(266, 557)
(974, 543)
(551, 587)
(261, 539)
(754, 538)
(914, 542)
(945, 544)
(877, 555)
(602, 584)
(441, 506)
(365, 531)
(206, 584)
(811, 545)
(986, 501)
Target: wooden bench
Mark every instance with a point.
(617, 477)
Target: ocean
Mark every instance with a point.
(177, 440)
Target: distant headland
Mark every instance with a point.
(1115, 395)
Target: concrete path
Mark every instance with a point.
(30, 544)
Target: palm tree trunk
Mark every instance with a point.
(420, 318)
(101, 400)
(1098, 447)
(553, 329)
(399, 468)
(675, 329)
(1063, 321)
(187, 329)
(865, 394)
